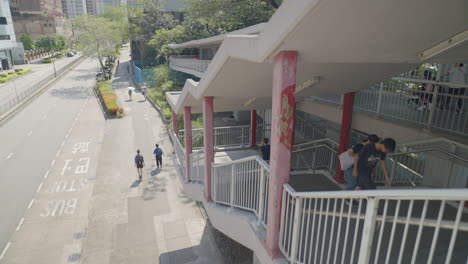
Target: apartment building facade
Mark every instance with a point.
(40, 17)
(7, 36)
(73, 8)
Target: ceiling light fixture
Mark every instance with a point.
(306, 84)
(444, 46)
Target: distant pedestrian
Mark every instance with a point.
(118, 62)
(265, 150)
(130, 94)
(128, 68)
(139, 163)
(143, 92)
(158, 153)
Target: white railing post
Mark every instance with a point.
(379, 100)
(433, 106)
(295, 230)
(392, 171)
(233, 170)
(261, 199)
(368, 230)
(331, 160)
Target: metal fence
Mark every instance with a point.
(316, 155)
(143, 76)
(8, 103)
(197, 166)
(223, 136)
(189, 63)
(243, 184)
(433, 105)
(180, 153)
(389, 226)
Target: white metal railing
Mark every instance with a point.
(197, 166)
(430, 105)
(243, 184)
(316, 155)
(180, 153)
(223, 136)
(189, 63)
(386, 226)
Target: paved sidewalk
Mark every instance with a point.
(141, 222)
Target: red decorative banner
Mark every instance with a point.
(286, 122)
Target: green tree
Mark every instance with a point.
(163, 37)
(28, 42)
(51, 43)
(97, 37)
(119, 15)
(220, 16)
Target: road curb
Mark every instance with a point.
(16, 109)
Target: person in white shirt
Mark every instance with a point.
(457, 76)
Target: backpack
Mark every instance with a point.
(139, 160)
(158, 152)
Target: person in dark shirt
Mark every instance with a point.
(351, 181)
(367, 158)
(265, 150)
(139, 163)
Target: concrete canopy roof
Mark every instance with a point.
(346, 45)
(217, 40)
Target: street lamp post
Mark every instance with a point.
(53, 63)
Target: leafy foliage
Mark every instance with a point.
(97, 37)
(51, 43)
(28, 42)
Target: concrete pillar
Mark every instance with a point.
(175, 125)
(282, 134)
(208, 142)
(346, 122)
(253, 128)
(188, 137)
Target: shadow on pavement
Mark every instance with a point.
(135, 184)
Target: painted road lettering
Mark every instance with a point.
(81, 147)
(68, 186)
(60, 208)
(83, 168)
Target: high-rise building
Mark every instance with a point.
(91, 7)
(39, 17)
(101, 5)
(7, 35)
(73, 8)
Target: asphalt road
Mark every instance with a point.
(30, 142)
(39, 71)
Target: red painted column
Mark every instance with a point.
(253, 128)
(208, 142)
(282, 134)
(188, 137)
(175, 126)
(346, 121)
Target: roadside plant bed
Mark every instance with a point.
(109, 98)
(6, 76)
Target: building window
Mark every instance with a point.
(3, 21)
(4, 37)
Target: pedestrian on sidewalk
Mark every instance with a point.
(158, 153)
(143, 92)
(118, 61)
(139, 163)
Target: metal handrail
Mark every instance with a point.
(427, 150)
(262, 162)
(397, 194)
(313, 147)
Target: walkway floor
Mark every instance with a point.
(141, 222)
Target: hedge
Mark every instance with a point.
(5, 77)
(108, 96)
